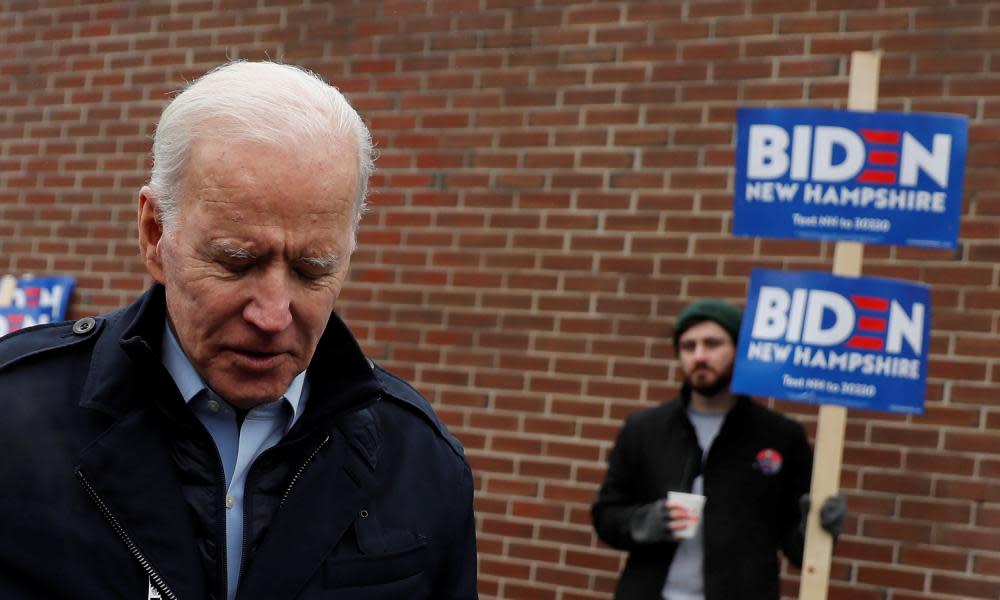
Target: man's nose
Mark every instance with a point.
(269, 308)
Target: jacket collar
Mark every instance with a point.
(126, 364)
(683, 401)
(123, 352)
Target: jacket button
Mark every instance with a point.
(364, 514)
(84, 326)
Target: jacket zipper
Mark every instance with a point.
(225, 520)
(154, 577)
(288, 490)
(302, 469)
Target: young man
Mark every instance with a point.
(752, 465)
(224, 437)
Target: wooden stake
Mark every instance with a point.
(862, 94)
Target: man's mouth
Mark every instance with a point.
(253, 360)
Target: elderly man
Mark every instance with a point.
(751, 465)
(224, 436)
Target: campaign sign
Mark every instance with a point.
(37, 300)
(822, 339)
(882, 178)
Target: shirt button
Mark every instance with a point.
(230, 501)
(213, 405)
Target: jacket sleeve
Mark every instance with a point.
(799, 459)
(459, 563)
(618, 514)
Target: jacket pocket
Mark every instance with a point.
(405, 561)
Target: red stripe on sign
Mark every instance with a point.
(873, 176)
(880, 136)
(871, 324)
(883, 157)
(865, 342)
(871, 303)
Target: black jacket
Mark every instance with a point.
(110, 485)
(749, 513)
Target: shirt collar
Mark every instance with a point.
(189, 382)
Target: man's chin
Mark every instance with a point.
(246, 395)
(711, 387)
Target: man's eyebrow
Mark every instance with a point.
(328, 261)
(705, 340)
(230, 250)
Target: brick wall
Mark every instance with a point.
(554, 183)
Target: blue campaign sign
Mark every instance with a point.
(871, 177)
(37, 300)
(822, 339)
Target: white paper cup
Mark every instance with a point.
(693, 503)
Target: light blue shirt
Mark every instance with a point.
(262, 428)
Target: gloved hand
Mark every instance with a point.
(831, 514)
(651, 523)
(658, 521)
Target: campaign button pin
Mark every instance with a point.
(769, 461)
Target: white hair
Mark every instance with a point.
(252, 101)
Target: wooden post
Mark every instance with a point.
(862, 94)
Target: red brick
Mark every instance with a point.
(517, 591)
(948, 19)
(936, 462)
(652, 53)
(590, 55)
(676, 29)
(964, 489)
(935, 511)
(964, 537)
(504, 568)
(971, 442)
(897, 530)
(624, 74)
(964, 586)
(593, 15)
(592, 560)
(898, 483)
(797, 23)
(934, 558)
(878, 21)
(896, 578)
(986, 565)
(713, 50)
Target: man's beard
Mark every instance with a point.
(712, 387)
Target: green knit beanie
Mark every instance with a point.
(725, 314)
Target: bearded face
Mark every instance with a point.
(706, 354)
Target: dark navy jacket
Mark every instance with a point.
(111, 488)
(752, 497)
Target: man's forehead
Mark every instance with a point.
(235, 175)
(233, 154)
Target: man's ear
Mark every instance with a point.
(150, 233)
